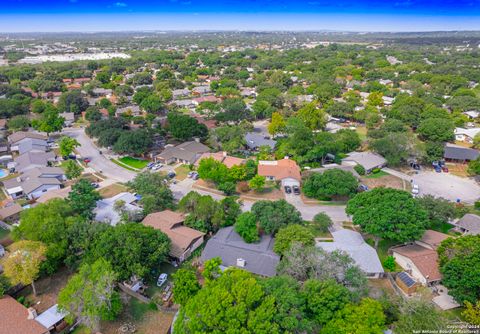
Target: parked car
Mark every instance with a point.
(95, 185)
(415, 189)
(445, 169)
(362, 187)
(296, 190)
(171, 175)
(195, 176)
(162, 279)
(288, 189)
(87, 160)
(438, 169)
(150, 165)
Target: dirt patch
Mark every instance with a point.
(458, 169)
(207, 186)
(267, 194)
(112, 190)
(379, 287)
(388, 181)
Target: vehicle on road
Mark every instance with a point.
(296, 190)
(87, 160)
(415, 189)
(162, 279)
(171, 175)
(288, 189)
(95, 185)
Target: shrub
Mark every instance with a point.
(389, 263)
(376, 170)
(228, 188)
(243, 186)
(322, 222)
(477, 205)
(359, 169)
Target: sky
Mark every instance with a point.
(339, 15)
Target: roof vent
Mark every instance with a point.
(32, 313)
(241, 263)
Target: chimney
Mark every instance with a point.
(224, 154)
(32, 313)
(241, 263)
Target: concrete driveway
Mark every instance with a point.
(99, 162)
(444, 185)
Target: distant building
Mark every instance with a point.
(466, 135)
(35, 182)
(368, 160)
(257, 140)
(186, 153)
(105, 211)
(285, 170)
(469, 224)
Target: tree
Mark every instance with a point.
(419, 315)
(273, 215)
(257, 183)
(131, 249)
(152, 104)
(235, 302)
(156, 195)
(291, 234)
(472, 313)
(324, 299)
(366, 318)
(439, 210)
(322, 222)
(50, 121)
(388, 213)
(92, 114)
(66, 145)
(332, 182)
(185, 286)
(246, 226)
(90, 295)
(313, 117)
(72, 169)
(185, 127)
(437, 129)
(4, 285)
(83, 198)
(474, 167)
(133, 142)
(303, 263)
(72, 101)
(204, 213)
(18, 123)
(277, 125)
(213, 170)
(22, 265)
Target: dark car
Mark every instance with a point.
(95, 185)
(171, 175)
(288, 190)
(296, 190)
(438, 169)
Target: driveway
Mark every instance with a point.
(444, 185)
(99, 162)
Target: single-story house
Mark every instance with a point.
(184, 103)
(472, 114)
(180, 92)
(133, 110)
(16, 318)
(105, 211)
(69, 118)
(31, 160)
(184, 239)
(106, 92)
(368, 160)
(321, 170)
(10, 213)
(31, 145)
(210, 98)
(257, 140)
(258, 258)
(200, 90)
(285, 170)
(459, 154)
(222, 157)
(35, 182)
(466, 135)
(19, 137)
(432, 239)
(352, 243)
(469, 224)
(186, 153)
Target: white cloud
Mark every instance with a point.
(120, 4)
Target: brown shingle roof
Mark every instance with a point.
(13, 318)
(433, 238)
(9, 211)
(170, 223)
(280, 169)
(426, 260)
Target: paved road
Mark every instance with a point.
(444, 185)
(99, 162)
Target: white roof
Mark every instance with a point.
(51, 316)
(353, 244)
(467, 132)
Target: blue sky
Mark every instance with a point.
(359, 15)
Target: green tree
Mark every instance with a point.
(22, 265)
(210, 169)
(437, 129)
(235, 302)
(273, 215)
(313, 117)
(366, 318)
(66, 145)
(322, 222)
(83, 198)
(152, 104)
(72, 101)
(185, 285)
(388, 213)
(246, 226)
(257, 183)
(472, 313)
(419, 315)
(291, 234)
(211, 269)
(277, 125)
(156, 195)
(131, 249)
(440, 210)
(133, 142)
(72, 169)
(90, 295)
(50, 121)
(185, 127)
(332, 182)
(18, 123)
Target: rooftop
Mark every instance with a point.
(426, 260)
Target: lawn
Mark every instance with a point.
(134, 162)
(116, 162)
(182, 172)
(112, 190)
(383, 246)
(362, 132)
(444, 227)
(377, 175)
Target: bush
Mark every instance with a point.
(360, 169)
(228, 188)
(389, 263)
(477, 205)
(243, 187)
(322, 222)
(376, 170)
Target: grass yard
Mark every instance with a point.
(444, 227)
(112, 190)
(182, 172)
(362, 132)
(116, 162)
(376, 175)
(134, 162)
(382, 250)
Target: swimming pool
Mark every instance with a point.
(3, 173)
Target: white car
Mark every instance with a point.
(415, 189)
(162, 279)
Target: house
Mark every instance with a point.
(31, 160)
(387, 100)
(466, 135)
(469, 224)
(16, 138)
(106, 92)
(472, 114)
(106, 212)
(16, 318)
(459, 154)
(180, 93)
(368, 160)
(69, 118)
(420, 262)
(10, 213)
(185, 153)
(184, 103)
(32, 145)
(53, 194)
(52, 319)
(258, 258)
(352, 243)
(248, 93)
(132, 110)
(222, 157)
(432, 239)
(35, 182)
(202, 99)
(184, 239)
(285, 170)
(257, 140)
(200, 90)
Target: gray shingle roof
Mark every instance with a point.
(255, 140)
(353, 244)
(471, 223)
(368, 160)
(229, 246)
(455, 152)
(31, 160)
(188, 151)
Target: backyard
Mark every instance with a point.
(112, 190)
